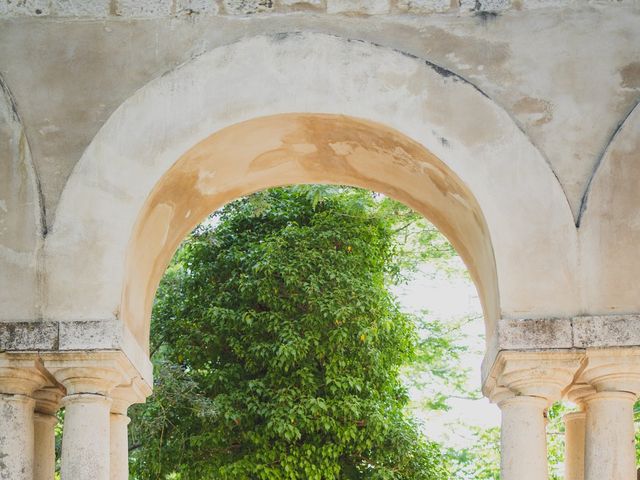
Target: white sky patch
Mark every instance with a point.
(450, 297)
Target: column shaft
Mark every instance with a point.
(119, 447)
(86, 437)
(16, 437)
(524, 439)
(574, 445)
(610, 437)
(44, 463)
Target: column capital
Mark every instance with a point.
(21, 374)
(48, 399)
(545, 374)
(574, 416)
(90, 372)
(611, 370)
(578, 392)
(136, 391)
(521, 400)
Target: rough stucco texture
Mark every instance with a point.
(550, 69)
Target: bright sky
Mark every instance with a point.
(449, 298)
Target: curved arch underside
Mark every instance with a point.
(483, 156)
(293, 149)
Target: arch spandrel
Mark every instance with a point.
(526, 213)
(20, 218)
(610, 226)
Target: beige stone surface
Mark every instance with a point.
(369, 7)
(523, 444)
(513, 126)
(119, 447)
(547, 106)
(610, 436)
(86, 437)
(506, 117)
(20, 217)
(574, 445)
(17, 441)
(44, 462)
(199, 110)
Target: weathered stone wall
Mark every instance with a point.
(21, 219)
(533, 105)
(180, 8)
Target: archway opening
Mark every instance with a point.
(259, 306)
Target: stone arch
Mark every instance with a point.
(21, 218)
(475, 141)
(610, 226)
(290, 149)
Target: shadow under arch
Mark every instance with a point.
(292, 149)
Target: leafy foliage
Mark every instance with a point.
(278, 347)
(436, 368)
(480, 462)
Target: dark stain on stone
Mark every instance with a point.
(281, 36)
(536, 111)
(483, 15)
(630, 75)
(443, 72)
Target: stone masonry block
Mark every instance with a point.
(606, 331)
(81, 8)
(530, 334)
(144, 8)
(294, 3)
(202, 7)
(17, 8)
(533, 4)
(367, 7)
(248, 7)
(424, 6)
(17, 336)
(485, 5)
(90, 335)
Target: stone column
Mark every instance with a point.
(574, 440)
(123, 398)
(609, 429)
(574, 425)
(610, 446)
(523, 385)
(45, 421)
(19, 378)
(523, 442)
(86, 433)
(85, 442)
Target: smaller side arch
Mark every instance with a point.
(610, 227)
(21, 218)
